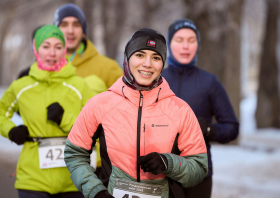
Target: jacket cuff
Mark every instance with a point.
(6, 129)
(212, 133)
(96, 190)
(169, 164)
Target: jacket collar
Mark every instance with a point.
(149, 97)
(182, 70)
(88, 53)
(51, 76)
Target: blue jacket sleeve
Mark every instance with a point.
(227, 126)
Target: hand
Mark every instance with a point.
(19, 134)
(208, 130)
(103, 194)
(55, 112)
(154, 163)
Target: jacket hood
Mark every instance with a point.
(89, 52)
(51, 77)
(149, 97)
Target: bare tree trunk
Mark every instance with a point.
(88, 10)
(219, 24)
(149, 8)
(232, 55)
(268, 107)
(9, 13)
(113, 19)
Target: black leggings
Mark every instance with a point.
(38, 194)
(201, 190)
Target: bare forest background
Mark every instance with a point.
(239, 39)
(239, 43)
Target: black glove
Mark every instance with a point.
(19, 134)
(208, 130)
(103, 194)
(154, 163)
(55, 112)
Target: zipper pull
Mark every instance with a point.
(141, 100)
(141, 95)
(144, 127)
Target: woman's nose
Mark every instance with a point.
(147, 62)
(52, 51)
(185, 44)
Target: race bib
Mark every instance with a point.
(129, 189)
(51, 152)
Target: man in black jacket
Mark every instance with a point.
(202, 91)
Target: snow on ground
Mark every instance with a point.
(245, 173)
(250, 169)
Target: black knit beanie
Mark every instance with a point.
(70, 10)
(146, 39)
(143, 39)
(180, 24)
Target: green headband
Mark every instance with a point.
(45, 32)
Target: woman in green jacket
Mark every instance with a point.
(49, 100)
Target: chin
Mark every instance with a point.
(144, 82)
(71, 47)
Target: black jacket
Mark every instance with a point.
(207, 98)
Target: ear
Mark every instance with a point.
(84, 36)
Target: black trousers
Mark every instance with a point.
(201, 190)
(38, 194)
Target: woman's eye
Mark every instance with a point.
(157, 58)
(179, 39)
(59, 48)
(192, 40)
(139, 55)
(45, 47)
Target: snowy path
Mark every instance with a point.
(245, 173)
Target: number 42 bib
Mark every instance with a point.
(51, 152)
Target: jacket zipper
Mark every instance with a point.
(144, 140)
(138, 134)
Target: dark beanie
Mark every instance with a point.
(180, 24)
(70, 10)
(173, 28)
(146, 39)
(143, 39)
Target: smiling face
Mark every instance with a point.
(51, 51)
(145, 66)
(184, 45)
(73, 32)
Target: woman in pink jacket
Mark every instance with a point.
(149, 138)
